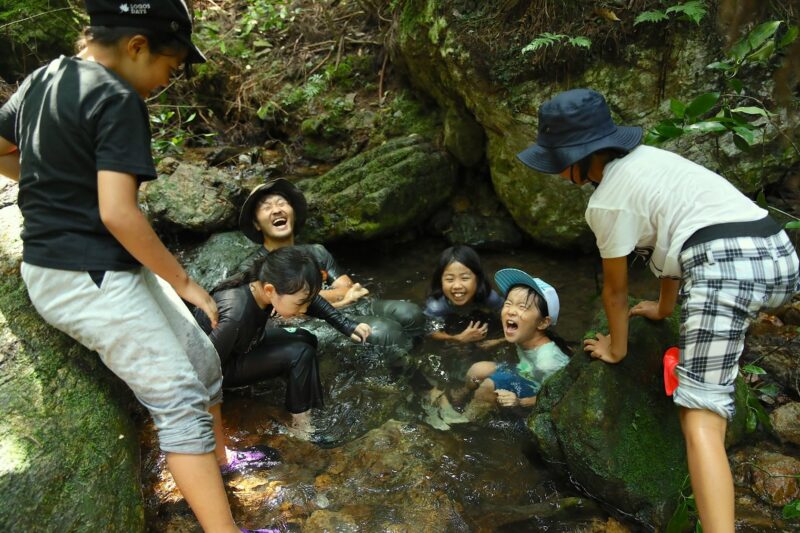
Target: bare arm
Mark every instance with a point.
(343, 292)
(663, 308)
(614, 347)
(9, 160)
(119, 211)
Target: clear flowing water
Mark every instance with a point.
(387, 461)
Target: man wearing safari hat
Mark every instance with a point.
(728, 257)
(271, 217)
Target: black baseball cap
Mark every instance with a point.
(170, 16)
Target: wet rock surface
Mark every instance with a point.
(786, 422)
(69, 447)
(769, 473)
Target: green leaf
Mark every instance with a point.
(702, 104)
(263, 111)
(677, 107)
(650, 16)
(740, 49)
(736, 85)
(719, 65)
(763, 53)
(694, 10)
(679, 521)
(741, 144)
(582, 42)
(746, 134)
(792, 510)
(706, 126)
(794, 224)
(789, 37)
(762, 32)
(668, 130)
(751, 368)
(752, 421)
(761, 200)
(752, 110)
(770, 390)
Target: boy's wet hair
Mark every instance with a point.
(289, 270)
(468, 257)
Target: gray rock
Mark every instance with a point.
(772, 476)
(69, 448)
(218, 257)
(194, 199)
(496, 233)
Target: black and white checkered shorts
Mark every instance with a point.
(725, 284)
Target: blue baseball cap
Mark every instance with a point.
(510, 277)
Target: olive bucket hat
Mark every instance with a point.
(572, 125)
(279, 186)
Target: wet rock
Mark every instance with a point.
(492, 233)
(69, 448)
(449, 57)
(218, 257)
(615, 431)
(464, 137)
(324, 521)
(194, 199)
(772, 476)
(385, 190)
(786, 422)
(775, 349)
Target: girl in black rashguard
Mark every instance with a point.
(286, 282)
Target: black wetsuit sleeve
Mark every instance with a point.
(224, 336)
(320, 308)
(326, 261)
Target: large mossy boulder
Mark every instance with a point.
(616, 432)
(218, 258)
(470, 59)
(69, 449)
(194, 199)
(382, 191)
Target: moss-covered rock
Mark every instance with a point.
(194, 199)
(615, 431)
(455, 52)
(69, 448)
(218, 258)
(393, 187)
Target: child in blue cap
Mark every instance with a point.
(529, 312)
(76, 136)
(726, 255)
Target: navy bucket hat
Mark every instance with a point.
(572, 125)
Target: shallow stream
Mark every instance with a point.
(384, 462)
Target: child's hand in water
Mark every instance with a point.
(506, 398)
(474, 332)
(361, 332)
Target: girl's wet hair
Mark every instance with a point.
(468, 257)
(585, 163)
(289, 270)
(160, 42)
(541, 306)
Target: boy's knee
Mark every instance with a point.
(409, 315)
(479, 371)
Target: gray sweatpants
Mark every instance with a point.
(144, 333)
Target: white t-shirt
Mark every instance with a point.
(653, 200)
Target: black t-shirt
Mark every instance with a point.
(71, 119)
(330, 269)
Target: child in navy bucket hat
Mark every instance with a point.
(76, 136)
(701, 236)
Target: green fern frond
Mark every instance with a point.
(582, 42)
(694, 10)
(650, 16)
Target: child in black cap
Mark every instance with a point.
(728, 257)
(77, 138)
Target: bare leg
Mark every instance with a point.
(709, 470)
(220, 452)
(200, 482)
(483, 402)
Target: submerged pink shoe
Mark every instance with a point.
(671, 360)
